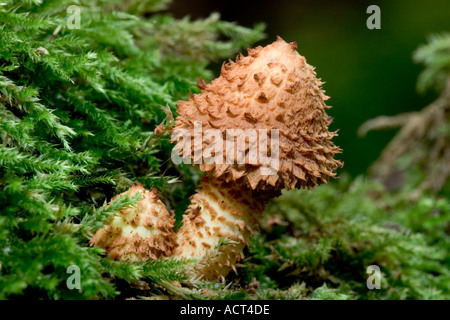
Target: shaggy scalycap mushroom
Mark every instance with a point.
(140, 233)
(272, 88)
(272, 92)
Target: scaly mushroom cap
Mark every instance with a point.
(140, 233)
(272, 88)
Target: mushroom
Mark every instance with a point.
(140, 233)
(260, 127)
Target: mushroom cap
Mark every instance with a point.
(271, 88)
(140, 233)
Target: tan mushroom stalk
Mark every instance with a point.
(219, 211)
(140, 233)
(272, 102)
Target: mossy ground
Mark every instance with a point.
(78, 110)
(318, 244)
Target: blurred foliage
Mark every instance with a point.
(436, 57)
(418, 156)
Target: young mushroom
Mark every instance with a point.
(140, 233)
(260, 127)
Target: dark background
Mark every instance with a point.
(367, 72)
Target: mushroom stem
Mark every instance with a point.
(218, 225)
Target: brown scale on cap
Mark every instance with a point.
(272, 88)
(140, 233)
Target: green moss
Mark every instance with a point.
(330, 235)
(78, 110)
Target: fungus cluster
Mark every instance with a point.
(271, 93)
